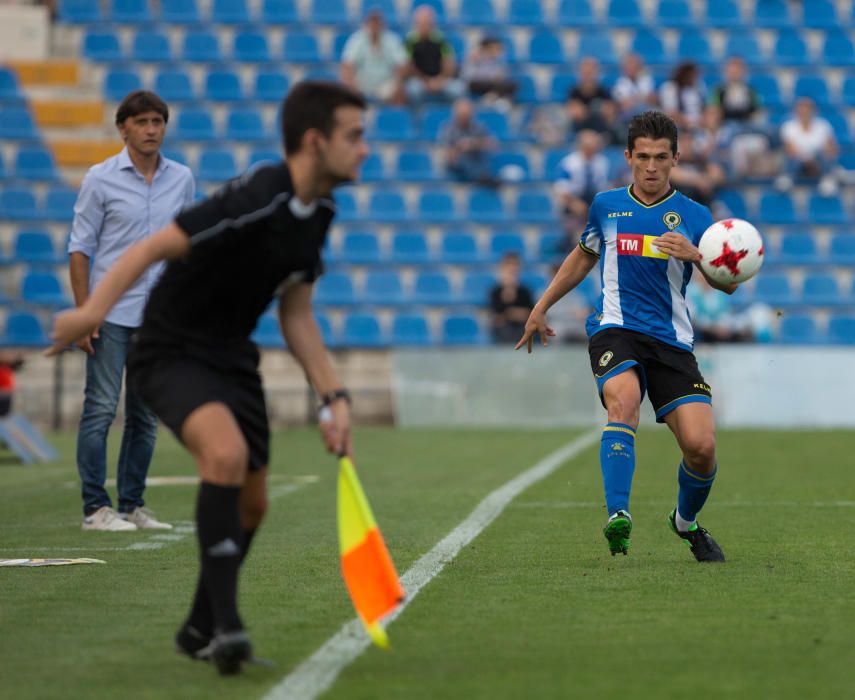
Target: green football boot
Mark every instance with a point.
(617, 531)
(703, 546)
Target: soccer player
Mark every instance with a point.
(640, 338)
(193, 362)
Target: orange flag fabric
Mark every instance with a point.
(366, 566)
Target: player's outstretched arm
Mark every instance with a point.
(301, 333)
(572, 271)
(71, 326)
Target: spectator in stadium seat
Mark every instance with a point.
(810, 148)
(510, 301)
(468, 145)
(696, 175)
(581, 174)
(736, 99)
(713, 318)
(374, 60)
(590, 104)
(485, 72)
(122, 201)
(682, 97)
(432, 67)
(634, 92)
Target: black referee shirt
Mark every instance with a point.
(249, 240)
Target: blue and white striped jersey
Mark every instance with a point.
(643, 289)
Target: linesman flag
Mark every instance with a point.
(366, 565)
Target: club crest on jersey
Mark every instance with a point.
(672, 220)
(605, 358)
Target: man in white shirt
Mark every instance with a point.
(810, 148)
(634, 91)
(374, 59)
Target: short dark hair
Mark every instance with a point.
(140, 102)
(311, 104)
(652, 125)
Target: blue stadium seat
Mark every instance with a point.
(264, 155)
(790, 48)
(826, 210)
(229, 12)
(23, 329)
(410, 247)
(772, 14)
(35, 248)
(201, 47)
(576, 13)
(301, 47)
(43, 288)
(131, 12)
(180, 12)
(436, 205)
(459, 248)
(372, 169)
(59, 203)
(326, 328)
(476, 288)
(821, 289)
(744, 43)
(329, 12)
(339, 41)
(223, 86)
(432, 288)
(813, 86)
(18, 205)
(462, 329)
(216, 165)
(362, 330)
(271, 86)
(410, 330)
(535, 207)
(80, 11)
(503, 242)
(383, 287)
(839, 124)
(535, 281)
(35, 163)
(798, 329)
(477, 12)
(624, 13)
(267, 333)
(550, 248)
(778, 208)
(767, 88)
(485, 207)
(393, 124)
(415, 166)
(723, 14)
(527, 92)
(360, 247)
(551, 160)
(496, 123)
(842, 249)
(345, 205)
(841, 329)
(176, 154)
(174, 85)
(458, 45)
(279, 12)
(774, 289)
(512, 159)
(525, 13)
(674, 14)
(820, 14)
(102, 46)
(694, 46)
(838, 49)
(151, 47)
(334, 289)
(194, 125)
(545, 47)
(118, 83)
(797, 249)
(597, 44)
(10, 88)
(433, 120)
(734, 201)
(250, 47)
(246, 124)
(650, 47)
(386, 205)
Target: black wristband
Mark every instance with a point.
(335, 395)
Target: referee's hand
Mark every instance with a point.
(536, 323)
(334, 422)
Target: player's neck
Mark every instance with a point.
(649, 199)
(307, 185)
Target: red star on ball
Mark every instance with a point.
(729, 258)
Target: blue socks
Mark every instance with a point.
(617, 461)
(694, 489)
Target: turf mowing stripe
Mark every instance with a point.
(317, 673)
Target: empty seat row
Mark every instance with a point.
(781, 208)
(31, 163)
(803, 329)
(802, 249)
(23, 205)
(817, 289)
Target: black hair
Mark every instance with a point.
(652, 125)
(140, 102)
(311, 104)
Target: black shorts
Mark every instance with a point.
(668, 373)
(174, 384)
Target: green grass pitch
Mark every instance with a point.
(534, 607)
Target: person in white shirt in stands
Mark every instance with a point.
(374, 60)
(810, 148)
(634, 91)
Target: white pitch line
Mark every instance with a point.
(713, 504)
(316, 674)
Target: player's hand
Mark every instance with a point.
(536, 323)
(334, 421)
(86, 343)
(70, 327)
(677, 246)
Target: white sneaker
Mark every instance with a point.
(144, 519)
(105, 518)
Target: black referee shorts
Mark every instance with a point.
(669, 374)
(173, 386)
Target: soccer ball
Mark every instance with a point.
(732, 251)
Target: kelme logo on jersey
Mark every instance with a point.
(638, 244)
(605, 358)
(672, 220)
